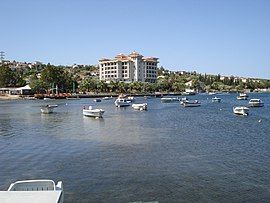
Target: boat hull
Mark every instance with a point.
(241, 98)
(216, 100)
(169, 100)
(93, 113)
(256, 104)
(191, 105)
(140, 107)
(122, 103)
(194, 103)
(243, 111)
(48, 109)
(34, 191)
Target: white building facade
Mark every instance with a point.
(130, 68)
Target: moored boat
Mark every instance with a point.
(48, 108)
(256, 103)
(33, 191)
(131, 99)
(216, 99)
(140, 107)
(242, 96)
(194, 103)
(90, 112)
(97, 100)
(241, 110)
(107, 98)
(48, 98)
(182, 100)
(122, 102)
(30, 98)
(169, 99)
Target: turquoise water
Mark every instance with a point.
(167, 154)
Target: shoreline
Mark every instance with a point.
(10, 97)
(98, 95)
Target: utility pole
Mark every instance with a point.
(2, 55)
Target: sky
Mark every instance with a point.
(227, 37)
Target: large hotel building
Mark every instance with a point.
(132, 67)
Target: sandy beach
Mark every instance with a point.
(9, 97)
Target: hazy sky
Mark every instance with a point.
(230, 37)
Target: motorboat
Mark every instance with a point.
(255, 103)
(30, 98)
(182, 100)
(140, 107)
(48, 108)
(131, 99)
(242, 96)
(169, 99)
(212, 93)
(97, 100)
(241, 110)
(90, 112)
(194, 103)
(107, 98)
(27, 191)
(216, 99)
(122, 102)
(48, 98)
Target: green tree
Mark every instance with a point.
(36, 85)
(6, 76)
(53, 76)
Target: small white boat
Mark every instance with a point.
(48, 98)
(169, 99)
(97, 113)
(212, 93)
(131, 99)
(242, 96)
(48, 108)
(182, 100)
(255, 103)
(194, 103)
(30, 98)
(216, 99)
(33, 191)
(107, 98)
(241, 110)
(121, 102)
(140, 107)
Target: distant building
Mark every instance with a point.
(132, 67)
(15, 90)
(189, 83)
